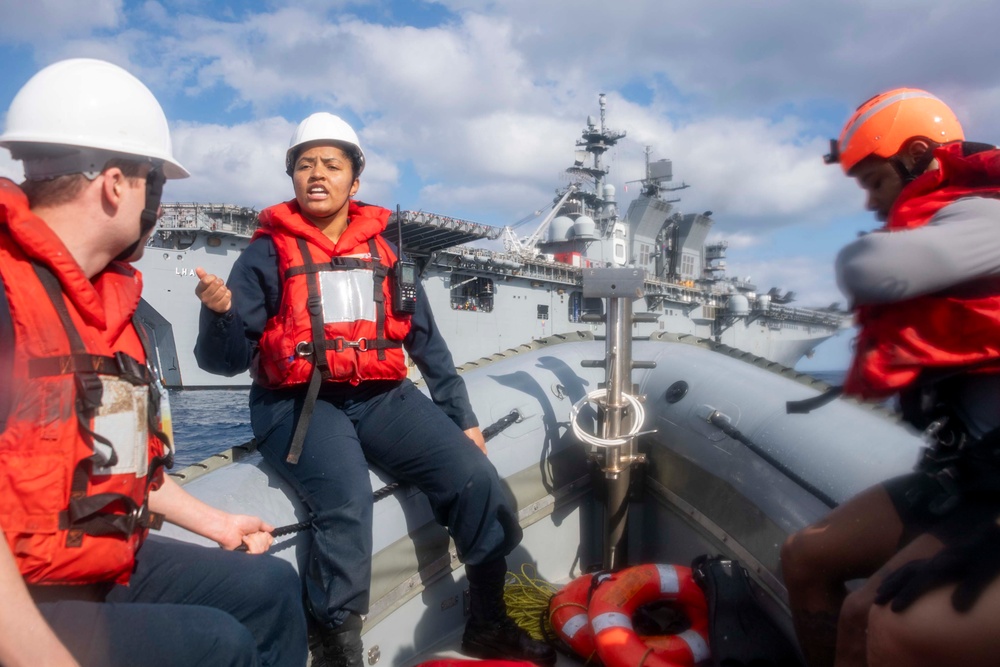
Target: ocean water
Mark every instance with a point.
(207, 421)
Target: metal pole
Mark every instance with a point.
(616, 453)
(618, 458)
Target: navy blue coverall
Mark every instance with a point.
(388, 423)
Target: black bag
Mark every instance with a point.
(741, 633)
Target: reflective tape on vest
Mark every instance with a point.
(347, 295)
(573, 625)
(669, 581)
(610, 619)
(122, 420)
(697, 644)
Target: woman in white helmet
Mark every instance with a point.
(310, 307)
(77, 496)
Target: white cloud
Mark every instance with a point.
(810, 277)
(241, 165)
(737, 240)
(477, 115)
(483, 109)
(245, 165)
(40, 21)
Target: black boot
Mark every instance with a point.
(338, 647)
(490, 633)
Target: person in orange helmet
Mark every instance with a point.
(925, 289)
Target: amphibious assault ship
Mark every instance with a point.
(491, 290)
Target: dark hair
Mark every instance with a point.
(355, 156)
(64, 189)
(351, 151)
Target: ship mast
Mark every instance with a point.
(597, 140)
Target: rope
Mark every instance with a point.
(527, 598)
(287, 530)
(639, 417)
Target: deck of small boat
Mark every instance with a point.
(703, 491)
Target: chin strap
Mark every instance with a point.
(919, 167)
(154, 193)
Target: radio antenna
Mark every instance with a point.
(399, 230)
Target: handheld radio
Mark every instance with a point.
(404, 274)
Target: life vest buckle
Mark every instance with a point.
(340, 344)
(130, 370)
(315, 305)
(304, 349)
(90, 389)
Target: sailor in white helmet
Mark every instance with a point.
(84, 423)
(343, 399)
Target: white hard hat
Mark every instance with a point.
(322, 128)
(75, 114)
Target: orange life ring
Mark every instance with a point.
(613, 603)
(568, 615)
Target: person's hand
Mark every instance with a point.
(252, 531)
(476, 436)
(213, 292)
(972, 564)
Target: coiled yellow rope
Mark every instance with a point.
(527, 597)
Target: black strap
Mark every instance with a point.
(89, 389)
(121, 365)
(807, 405)
(153, 412)
(378, 279)
(335, 264)
(104, 514)
(314, 303)
(339, 344)
(305, 417)
(722, 422)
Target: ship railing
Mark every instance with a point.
(834, 319)
(478, 260)
(676, 292)
(445, 222)
(228, 218)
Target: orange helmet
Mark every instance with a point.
(884, 124)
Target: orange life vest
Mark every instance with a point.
(81, 448)
(336, 302)
(938, 331)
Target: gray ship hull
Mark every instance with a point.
(169, 281)
(526, 302)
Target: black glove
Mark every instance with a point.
(972, 564)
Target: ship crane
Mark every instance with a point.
(527, 247)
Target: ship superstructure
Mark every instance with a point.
(488, 300)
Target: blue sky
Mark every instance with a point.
(471, 109)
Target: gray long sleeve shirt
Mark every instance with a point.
(960, 245)
(958, 251)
